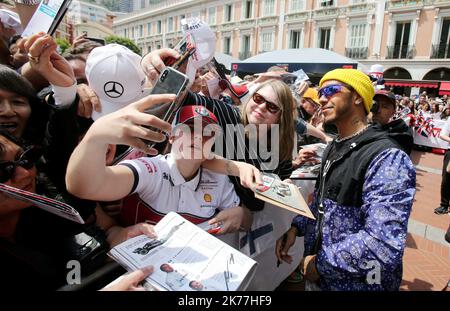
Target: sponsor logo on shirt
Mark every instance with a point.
(150, 168)
(207, 197)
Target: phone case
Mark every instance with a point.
(170, 81)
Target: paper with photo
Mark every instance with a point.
(306, 170)
(318, 147)
(186, 258)
(283, 194)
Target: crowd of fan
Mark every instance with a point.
(50, 144)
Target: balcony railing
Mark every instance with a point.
(392, 4)
(401, 51)
(268, 20)
(247, 23)
(245, 55)
(356, 53)
(440, 51)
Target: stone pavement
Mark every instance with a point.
(426, 261)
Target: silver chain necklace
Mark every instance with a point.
(338, 140)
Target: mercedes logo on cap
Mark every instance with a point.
(113, 89)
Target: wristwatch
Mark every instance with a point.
(27, 2)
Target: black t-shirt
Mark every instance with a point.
(36, 259)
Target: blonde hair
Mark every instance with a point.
(286, 119)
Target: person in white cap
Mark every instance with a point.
(115, 75)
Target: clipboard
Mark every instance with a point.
(47, 17)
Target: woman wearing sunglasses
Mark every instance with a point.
(34, 244)
(266, 139)
(23, 234)
(50, 121)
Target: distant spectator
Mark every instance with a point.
(445, 113)
(435, 113)
(384, 107)
(18, 55)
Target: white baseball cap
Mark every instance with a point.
(115, 74)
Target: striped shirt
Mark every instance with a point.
(236, 146)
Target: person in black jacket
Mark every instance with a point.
(363, 197)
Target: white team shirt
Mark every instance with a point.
(162, 187)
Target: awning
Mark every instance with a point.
(445, 88)
(411, 83)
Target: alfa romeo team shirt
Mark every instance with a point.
(162, 189)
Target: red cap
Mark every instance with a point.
(189, 113)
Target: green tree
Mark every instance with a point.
(63, 44)
(125, 42)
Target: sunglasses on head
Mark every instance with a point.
(271, 107)
(26, 160)
(331, 90)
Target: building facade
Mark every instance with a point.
(410, 38)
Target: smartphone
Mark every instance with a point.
(170, 81)
(59, 16)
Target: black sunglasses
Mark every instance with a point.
(26, 160)
(271, 107)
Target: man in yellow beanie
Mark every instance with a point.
(362, 199)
